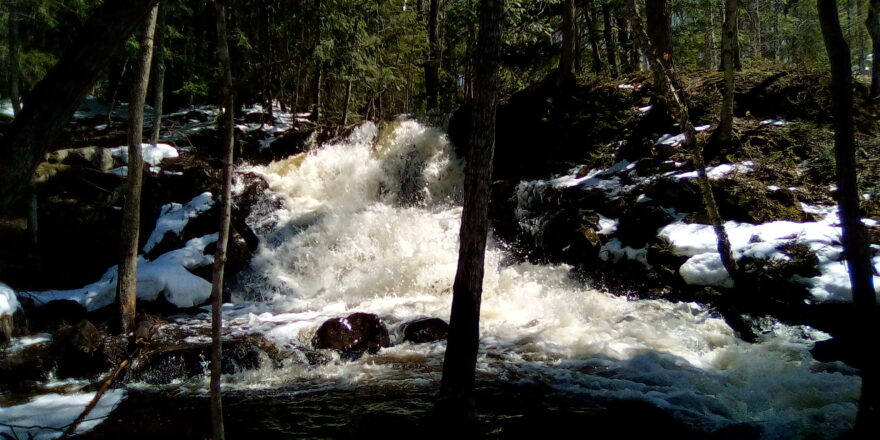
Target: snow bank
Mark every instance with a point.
(47, 416)
(8, 300)
(764, 241)
(174, 217)
(152, 155)
(166, 275)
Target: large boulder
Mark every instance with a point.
(423, 330)
(353, 335)
(78, 351)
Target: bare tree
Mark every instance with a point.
(728, 40)
(456, 389)
(660, 61)
(873, 24)
(225, 216)
(126, 287)
(855, 245)
(14, 64)
(432, 66)
(569, 35)
(659, 30)
(159, 73)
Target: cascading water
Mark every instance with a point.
(371, 224)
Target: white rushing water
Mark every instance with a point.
(371, 225)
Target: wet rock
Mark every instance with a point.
(78, 351)
(640, 222)
(425, 330)
(174, 362)
(353, 335)
(23, 369)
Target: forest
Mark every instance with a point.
(492, 219)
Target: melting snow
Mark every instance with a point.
(152, 155)
(174, 217)
(46, 417)
(764, 241)
(167, 275)
(8, 300)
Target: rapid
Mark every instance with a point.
(370, 224)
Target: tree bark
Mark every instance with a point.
(855, 245)
(14, 61)
(432, 66)
(659, 31)
(569, 35)
(662, 66)
(53, 100)
(126, 287)
(159, 73)
(456, 389)
(873, 24)
(610, 44)
(728, 39)
(225, 216)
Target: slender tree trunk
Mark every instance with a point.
(626, 46)
(728, 39)
(659, 29)
(126, 288)
(589, 13)
(14, 62)
(569, 36)
(225, 215)
(116, 78)
(855, 245)
(873, 25)
(432, 66)
(610, 44)
(347, 100)
(457, 386)
(50, 104)
(710, 40)
(159, 73)
(662, 66)
(316, 79)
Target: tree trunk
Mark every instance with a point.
(126, 288)
(569, 35)
(855, 245)
(662, 66)
(659, 29)
(589, 13)
(432, 66)
(626, 46)
(457, 385)
(14, 62)
(54, 99)
(347, 100)
(225, 215)
(316, 79)
(710, 40)
(610, 44)
(873, 24)
(159, 73)
(728, 39)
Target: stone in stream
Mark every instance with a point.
(78, 351)
(423, 330)
(353, 335)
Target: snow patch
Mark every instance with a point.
(152, 155)
(720, 171)
(47, 416)
(166, 275)
(8, 300)
(614, 251)
(174, 217)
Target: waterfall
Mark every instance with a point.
(370, 224)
